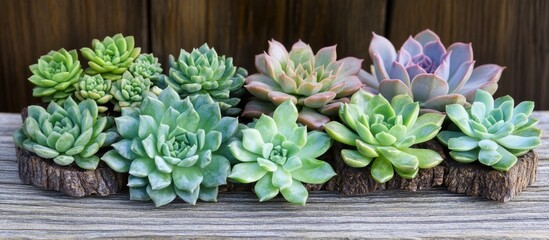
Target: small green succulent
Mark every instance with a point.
(280, 155)
(55, 74)
(110, 57)
(129, 91)
(492, 132)
(72, 133)
(95, 88)
(147, 66)
(170, 148)
(386, 132)
(204, 72)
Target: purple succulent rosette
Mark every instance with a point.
(316, 83)
(426, 70)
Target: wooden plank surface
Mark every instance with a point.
(32, 28)
(511, 33)
(26, 211)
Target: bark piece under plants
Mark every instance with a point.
(483, 181)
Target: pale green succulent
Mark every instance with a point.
(110, 57)
(492, 132)
(55, 74)
(170, 148)
(129, 91)
(280, 155)
(147, 66)
(385, 133)
(72, 133)
(94, 88)
(204, 72)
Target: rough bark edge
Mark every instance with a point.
(352, 181)
(70, 180)
(478, 180)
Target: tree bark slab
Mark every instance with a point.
(477, 180)
(351, 181)
(70, 180)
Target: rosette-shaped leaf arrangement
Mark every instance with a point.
(72, 133)
(492, 132)
(204, 72)
(170, 148)
(55, 74)
(280, 156)
(431, 74)
(147, 66)
(317, 84)
(129, 91)
(110, 57)
(95, 88)
(385, 132)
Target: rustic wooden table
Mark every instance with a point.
(27, 211)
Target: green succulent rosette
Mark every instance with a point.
(383, 133)
(129, 91)
(147, 66)
(280, 156)
(55, 74)
(69, 134)
(204, 72)
(95, 88)
(170, 147)
(494, 132)
(110, 57)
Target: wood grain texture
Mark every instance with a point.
(31, 28)
(511, 33)
(29, 212)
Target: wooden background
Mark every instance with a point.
(512, 33)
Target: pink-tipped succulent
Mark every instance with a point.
(431, 74)
(317, 84)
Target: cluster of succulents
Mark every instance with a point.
(179, 136)
(428, 72)
(494, 132)
(202, 71)
(384, 132)
(316, 83)
(69, 134)
(280, 156)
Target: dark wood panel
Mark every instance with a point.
(31, 28)
(511, 33)
(347, 23)
(242, 28)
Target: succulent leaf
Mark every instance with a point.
(279, 155)
(494, 132)
(383, 132)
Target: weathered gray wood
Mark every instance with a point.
(27, 211)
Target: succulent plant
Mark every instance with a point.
(317, 84)
(428, 72)
(204, 72)
(280, 155)
(55, 74)
(492, 132)
(129, 91)
(94, 88)
(147, 66)
(110, 57)
(72, 133)
(386, 132)
(170, 148)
